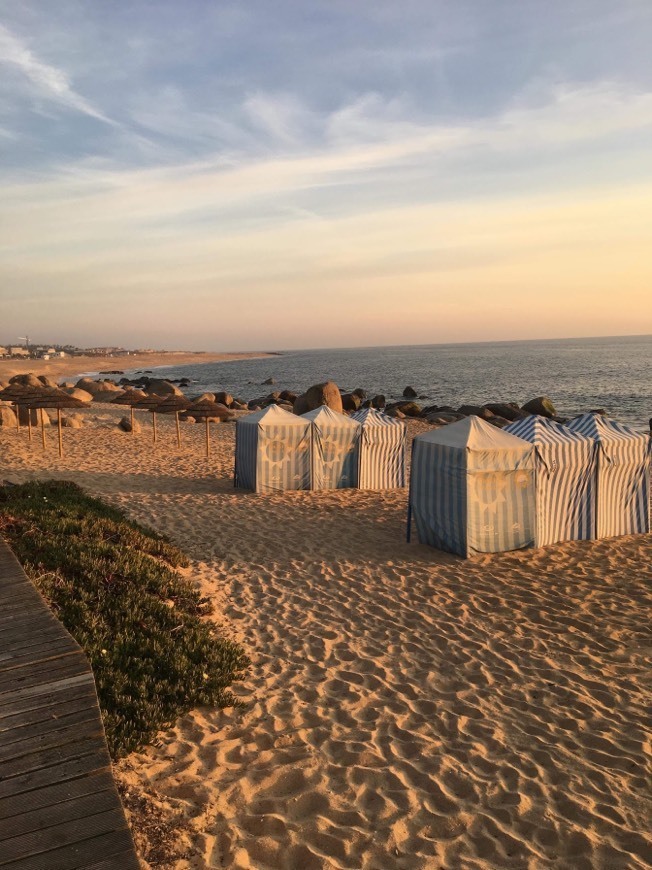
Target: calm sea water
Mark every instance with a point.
(578, 374)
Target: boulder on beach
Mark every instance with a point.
(74, 421)
(362, 394)
(410, 393)
(28, 380)
(47, 382)
(107, 395)
(542, 406)
(125, 425)
(475, 411)
(324, 394)
(33, 414)
(224, 399)
(378, 401)
(94, 387)
(205, 397)
(508, 410)
(7, 415)
(395, 412)
(82, 395)
(161, 387)
(408, 409)
(351, 402)
(300, 405)
(288, 396)
(269, 382)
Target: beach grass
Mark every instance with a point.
(116, 587)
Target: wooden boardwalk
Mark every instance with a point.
(59, 807)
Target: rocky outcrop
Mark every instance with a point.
(321, 394)
(28, 380)
(378, 401)
(74, 421)
(410, 393)
(224, 398)
(542, 405)
(125, 425)
(160, 387)
(507, 410)
(7, 416)
(82, 395)
(47, 382)
(475, 411)
(351, 402)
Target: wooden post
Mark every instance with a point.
(154, 425)
(43, 428)
(208, 443)
(60, 438)
(132, 420)
(29, 422)
(176, 414)
(17, 417)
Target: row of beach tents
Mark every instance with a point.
(474, 488)
(276, 450)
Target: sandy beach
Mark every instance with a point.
(73, 366)
(404, 708)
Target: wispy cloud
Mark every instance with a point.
(45, 80)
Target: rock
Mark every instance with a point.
(600, 411)
(239, 406)
(47, 382)
(408, 409)
(506, 409)
(113, 372)
(269, 382)
(360, 393)
(28, 380)
(300, 405)
(442, 418)
(324, 394)
(187, 419)
(395, 412)
(542, 406)
(66, 385)
(82, 395)
(125, 425)
(287, 406)
(160, 387)
(224, 399)
(476, 411)
(107, 395)
(93, 387)
(271, 399)
(205, 397)
(378, 401)
(410, 393)
(501, 422)
(7, 416)
(351, 402)
(72, 422)
(288, 396)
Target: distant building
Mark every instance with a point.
(3, 351)
(19, 351)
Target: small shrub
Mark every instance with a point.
(113, 584)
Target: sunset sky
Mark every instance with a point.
(322, 173)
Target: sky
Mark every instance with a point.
(324, 173)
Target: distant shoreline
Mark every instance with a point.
(74, 366)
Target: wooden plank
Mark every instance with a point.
(59, 807)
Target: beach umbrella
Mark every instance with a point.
(14, 393)
(172, 405)
(205, 409)
(151, 403)
(129, 398)
(55, 399)
(37, 400)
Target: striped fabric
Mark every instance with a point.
(381, 451)
(472, 489)
(272, 451)
(565, 473)
(334, 449)
(622, 475)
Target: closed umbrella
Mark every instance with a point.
(151, 403)
(205, 409)
(129, 398)
(172, 405)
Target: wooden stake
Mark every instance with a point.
(43, 428)
(132, 420)
(60, 438)
(29, 422)
(17, 406)
(176, 414)
(154, 425)
(208, 443)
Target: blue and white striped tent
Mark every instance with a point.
(472, 489)
(565, 469)
(622, 475)
(334, 449)
(272, 451)
(381, 450)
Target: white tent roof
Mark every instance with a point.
(473, 433)
(273, 416)
(326, 416)
(371, 417)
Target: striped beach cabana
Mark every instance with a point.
(272, 451)
(622, 475)
(564, 487)
(334, 449)
(472, 489)
(381, 450)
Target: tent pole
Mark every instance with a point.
(43, 428)
(60, 438)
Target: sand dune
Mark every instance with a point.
(404, 708)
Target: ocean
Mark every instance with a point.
(578, 374)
